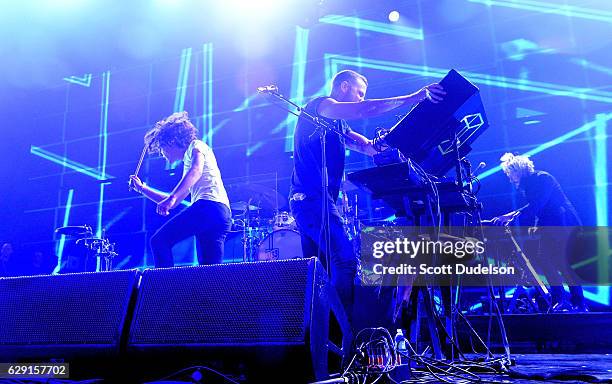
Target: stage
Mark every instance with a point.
(299, 191)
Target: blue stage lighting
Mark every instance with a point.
(334, 61)
(67, 163)
(181, 83)
(207, 99)
(373, 26)
(552, 8)
(62, 240)
(298, 79)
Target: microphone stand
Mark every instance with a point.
(323, 127)
(463, 165)
(301, 112)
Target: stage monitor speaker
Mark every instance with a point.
(273, 317)
(64, 316)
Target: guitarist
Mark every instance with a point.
(209, 216)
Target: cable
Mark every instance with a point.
(438, 370)
(378, 347)
(199, 367)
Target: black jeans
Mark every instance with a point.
(343, 262)
(209, 221)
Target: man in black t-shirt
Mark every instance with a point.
(308, 205)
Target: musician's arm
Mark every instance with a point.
(521, 209)
(507, 218)
(333, 109)
(361, 144)
(152, 194)
(190, 177)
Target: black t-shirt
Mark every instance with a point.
(306, 177)
(547, 201)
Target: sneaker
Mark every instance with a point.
(563, 306)
(580, 308)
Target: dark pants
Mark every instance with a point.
(209, 221)
(554, 264)
(342, 260)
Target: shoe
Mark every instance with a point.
(580, 308)
(563, 306)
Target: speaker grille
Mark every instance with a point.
(71, 309)
(227, 304)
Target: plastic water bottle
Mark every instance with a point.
(402, 368)
(400, 347)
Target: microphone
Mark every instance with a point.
(268, 89)
(480, 166)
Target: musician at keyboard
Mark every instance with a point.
(346, 102)
(547, 206)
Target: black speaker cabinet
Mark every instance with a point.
(64, 316)
(271, 317)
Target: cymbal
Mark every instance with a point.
(257, 194)
(242, 206)
(74, 230)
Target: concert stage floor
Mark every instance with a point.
(560, 368)
(529, 368)
(551, 333)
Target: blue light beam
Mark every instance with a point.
(62, 240)
(600, 169)
(207, 100)
(67, 163)
(556, 141)
(550, 8)
(298, 77)
(333, 62)
(181, 83)
(373, 26)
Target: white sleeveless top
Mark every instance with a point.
(209, 186)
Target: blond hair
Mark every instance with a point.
(518, 164)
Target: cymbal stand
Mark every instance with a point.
(246, 234)
(102, 248)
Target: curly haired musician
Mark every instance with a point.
(209, 216)
(548, 206)
(346, 102)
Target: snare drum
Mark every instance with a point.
(282, 244)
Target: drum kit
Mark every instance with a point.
(260, 231)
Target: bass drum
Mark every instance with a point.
(282, 244)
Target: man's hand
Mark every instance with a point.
(164, 206)
(135, 183)
(505, 219)
(433, 92)
(531, 231)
